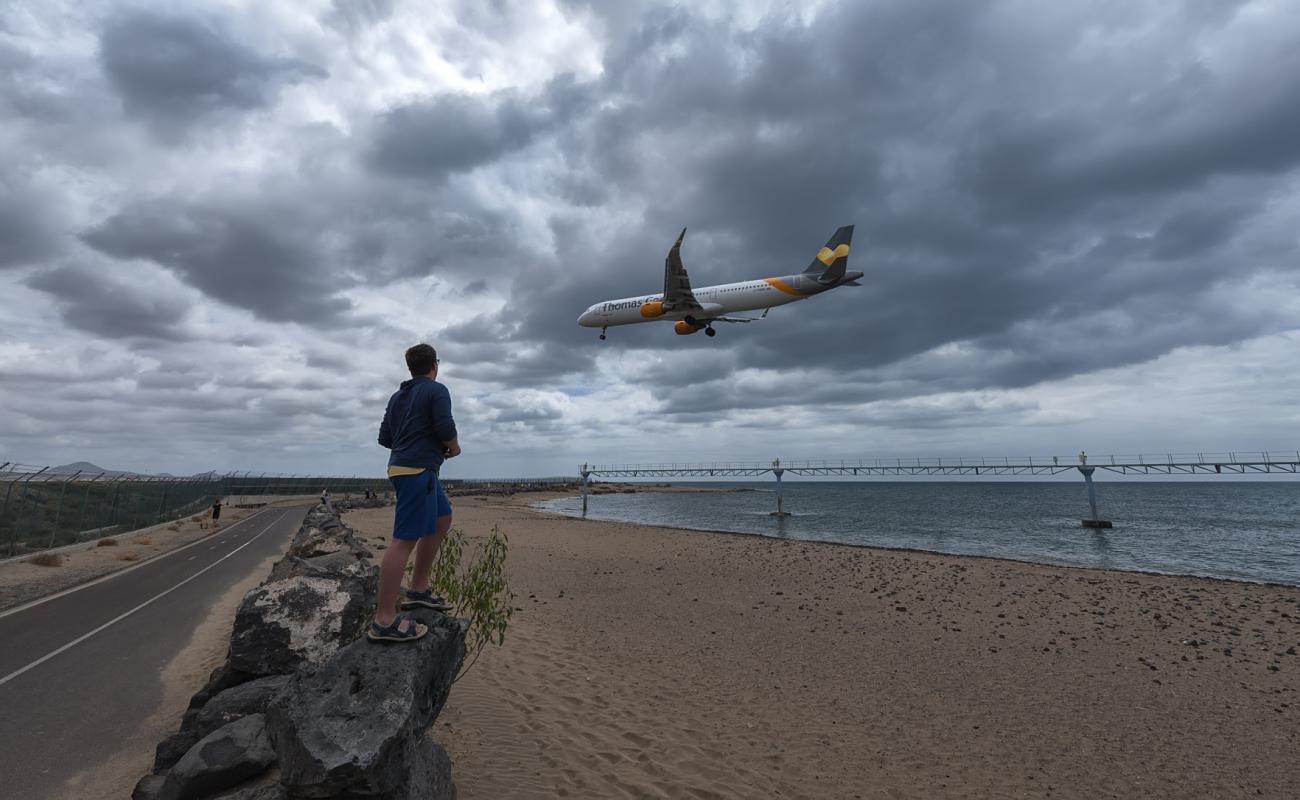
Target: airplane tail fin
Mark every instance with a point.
(832, 260)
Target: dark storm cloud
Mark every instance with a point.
(450, 133)
(94, 301)
(27, 231)
(173, 70)
(1041, 191)
(237, 255)
(993, 183)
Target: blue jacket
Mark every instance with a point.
(416, 424)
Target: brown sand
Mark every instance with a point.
(648, 662)
(22, 582)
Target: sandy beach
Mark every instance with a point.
(650, 662)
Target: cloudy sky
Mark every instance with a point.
(222, 223)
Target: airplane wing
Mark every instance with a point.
(677, 284)
(741, 319)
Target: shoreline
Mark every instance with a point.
(899, 549)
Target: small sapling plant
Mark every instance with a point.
(477, 592)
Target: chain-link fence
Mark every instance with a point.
(43, 507)
(48, 507)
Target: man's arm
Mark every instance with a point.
(444, 427)
(386, 435)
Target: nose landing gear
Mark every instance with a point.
(602, 333)
(709, 331)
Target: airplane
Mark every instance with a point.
(696, 310)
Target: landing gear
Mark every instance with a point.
(709, 331)
(602, 333)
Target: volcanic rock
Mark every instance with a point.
(221, 710)
(354, 725)
(221, 760)
(300, 619)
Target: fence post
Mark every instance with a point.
(85, 501)
(58, 513)
(162, 503)
(13, 523)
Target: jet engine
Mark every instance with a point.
(685, 328)
(652, 309)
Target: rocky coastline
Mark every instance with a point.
(304, 706)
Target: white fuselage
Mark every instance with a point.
(715, 301)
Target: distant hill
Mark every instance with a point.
(78, 466)
(87, 468)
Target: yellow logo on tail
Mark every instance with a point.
(828, 256)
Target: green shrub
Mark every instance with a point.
(477, 592)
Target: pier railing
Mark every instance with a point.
(1140, 463)
(1229, 463)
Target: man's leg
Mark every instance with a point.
(391, 572)
(408, 521)
(426, 552)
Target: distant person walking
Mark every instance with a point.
(216, 510)
(325, 496)
(419, 430)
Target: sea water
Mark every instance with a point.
(1235, 530)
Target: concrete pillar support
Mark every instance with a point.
(1094, 521)
(778, 472)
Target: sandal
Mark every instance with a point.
(425, 599)
(394, 632)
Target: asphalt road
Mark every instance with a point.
(80, 671)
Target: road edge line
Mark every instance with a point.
(132, 568)
(126, 614)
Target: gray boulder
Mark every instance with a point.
(275, 792)
(322, 533)
(148, 787)
(221, 679)
(299, 619)
(221, 710)
(221, 760)
(354, 725)
(430, 772)
(334, 565)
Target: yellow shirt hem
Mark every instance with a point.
(394, 471)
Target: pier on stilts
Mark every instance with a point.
(1232, 463)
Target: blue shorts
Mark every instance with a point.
(420, 503)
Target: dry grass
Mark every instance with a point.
(46, 560)
(142, 540)
(197, 518)
(175, 526)
(106, 543)
(129, 557)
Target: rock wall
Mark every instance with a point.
(301, 689)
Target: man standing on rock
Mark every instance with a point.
(419, 429)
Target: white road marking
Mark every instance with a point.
(126, 614)
(191, 558)
(110, 576)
